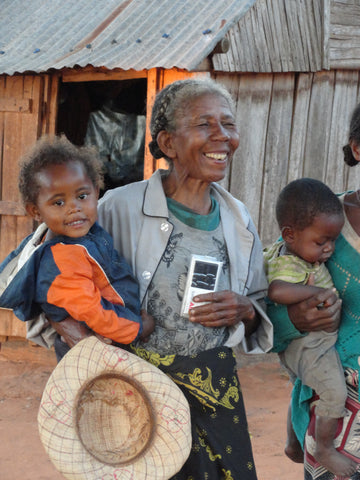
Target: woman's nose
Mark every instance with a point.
(220, 132)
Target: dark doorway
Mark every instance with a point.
(109, 115)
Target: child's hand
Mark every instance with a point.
(148, 325)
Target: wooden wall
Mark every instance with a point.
(279, 36)
(26, 111)
(294, 36)
(299, 84)
(291, 126)
(344, 34)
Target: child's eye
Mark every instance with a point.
(59, 203)
(82, 196)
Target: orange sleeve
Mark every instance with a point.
(84, 291)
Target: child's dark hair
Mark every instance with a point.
(302, 200)
(354, 135)
(55, 150)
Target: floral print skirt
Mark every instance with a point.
(221, 448)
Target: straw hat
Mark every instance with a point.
(107, 414)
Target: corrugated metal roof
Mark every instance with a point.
(38, 35)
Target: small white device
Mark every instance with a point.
(203, 277)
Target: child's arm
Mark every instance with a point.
(286, 293)
(73, 331)
(79, 288)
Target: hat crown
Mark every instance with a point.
(114, 418)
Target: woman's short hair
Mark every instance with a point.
(172, 101)
(302, 200)
(55, 150)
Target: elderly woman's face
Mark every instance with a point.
(205, 139)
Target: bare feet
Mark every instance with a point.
(294, 451)
(293, 448)
(335, 462)
(325, 452)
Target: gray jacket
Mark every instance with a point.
(136, 216)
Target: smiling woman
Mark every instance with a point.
(159, 225)
(198, 142)
(182, 212)
(200, 148)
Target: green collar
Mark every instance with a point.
(192, 219)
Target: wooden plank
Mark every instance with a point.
(19, 132)
(344, 101)
(311, 29)
(31, 130)
(8, 238)
(12, 152)
(149, 163)
(170, 76)
(271, 34)
(10, 325)
(262, 50)
(318, 126)
(281, 34)
(344, 41)
(253, 103)
(50, 104)
(241, 47)
(13, 104)
(296, 54)
(325, 41)
(231, 83)
(98, 74)
(11, 208)
(277, 152)
(299, 126)
(247, 43)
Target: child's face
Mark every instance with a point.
(67, 200)
(316, 243)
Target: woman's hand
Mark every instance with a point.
(71, 330)
(308, 316)
(148, 325)
(225, 308)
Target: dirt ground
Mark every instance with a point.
(25, 368)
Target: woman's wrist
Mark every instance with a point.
(71, 330)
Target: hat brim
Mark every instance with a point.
(170, 444)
